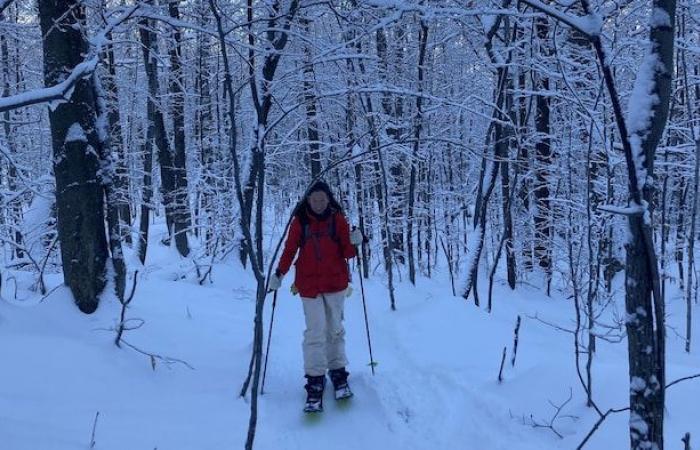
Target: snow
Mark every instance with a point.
(640, 111)
(55, 95)
(36, 219)
(637, 384)
(62, 91)
(473, 256)
(76, 134)
(638, 424)
(660, 18)
(631, 210)
(590, 25)
(487, 22)
(435, 384)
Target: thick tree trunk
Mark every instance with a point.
(79, 195)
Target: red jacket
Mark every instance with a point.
(321, 266)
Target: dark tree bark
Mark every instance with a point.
(179, 195)
(147, 189)
(79, 195)
(489, 172)
(503, 145)
(205, 132)
(15, 206)
(121, 178)
(392, 107)
(417, 128)
(155, 131)
(380, 186)
(310, 101)
(543, 152)
(107, 177)
(277, 38)
(172, 164)
(646, 328)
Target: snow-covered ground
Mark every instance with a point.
(435, 386)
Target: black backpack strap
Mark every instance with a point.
(306, 232)
(332, 231)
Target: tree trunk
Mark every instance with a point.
(121, 176)
(179, 194)
(417, 128)
(15, 206)
(543, 152)
(79, 196)
(310, 101)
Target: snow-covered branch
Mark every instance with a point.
(62, 91)
(589, 25)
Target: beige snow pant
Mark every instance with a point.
(324, 338)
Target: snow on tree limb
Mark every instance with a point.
(62, 91)
(4, 4)
(590, 25)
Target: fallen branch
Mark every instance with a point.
(168, 361)
(94, 427)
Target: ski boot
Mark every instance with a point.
(314, 393)
(339, 377)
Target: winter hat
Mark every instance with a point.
(320, 186)
(323, 187)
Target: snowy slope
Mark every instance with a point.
(435, 386)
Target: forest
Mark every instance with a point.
(537, 159)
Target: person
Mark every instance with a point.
(320, 233)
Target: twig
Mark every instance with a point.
(556, 327)
(558, 409)
(122, 321)
(94, 427)
(211, 265)
(697, 375)
(50, 292)
(686, 441)
(503, 360)
(42, 286)
(133, 289)
(168, 361)
(602, 418)
(515, 342)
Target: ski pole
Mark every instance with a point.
(269, 338)
(372, 363)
